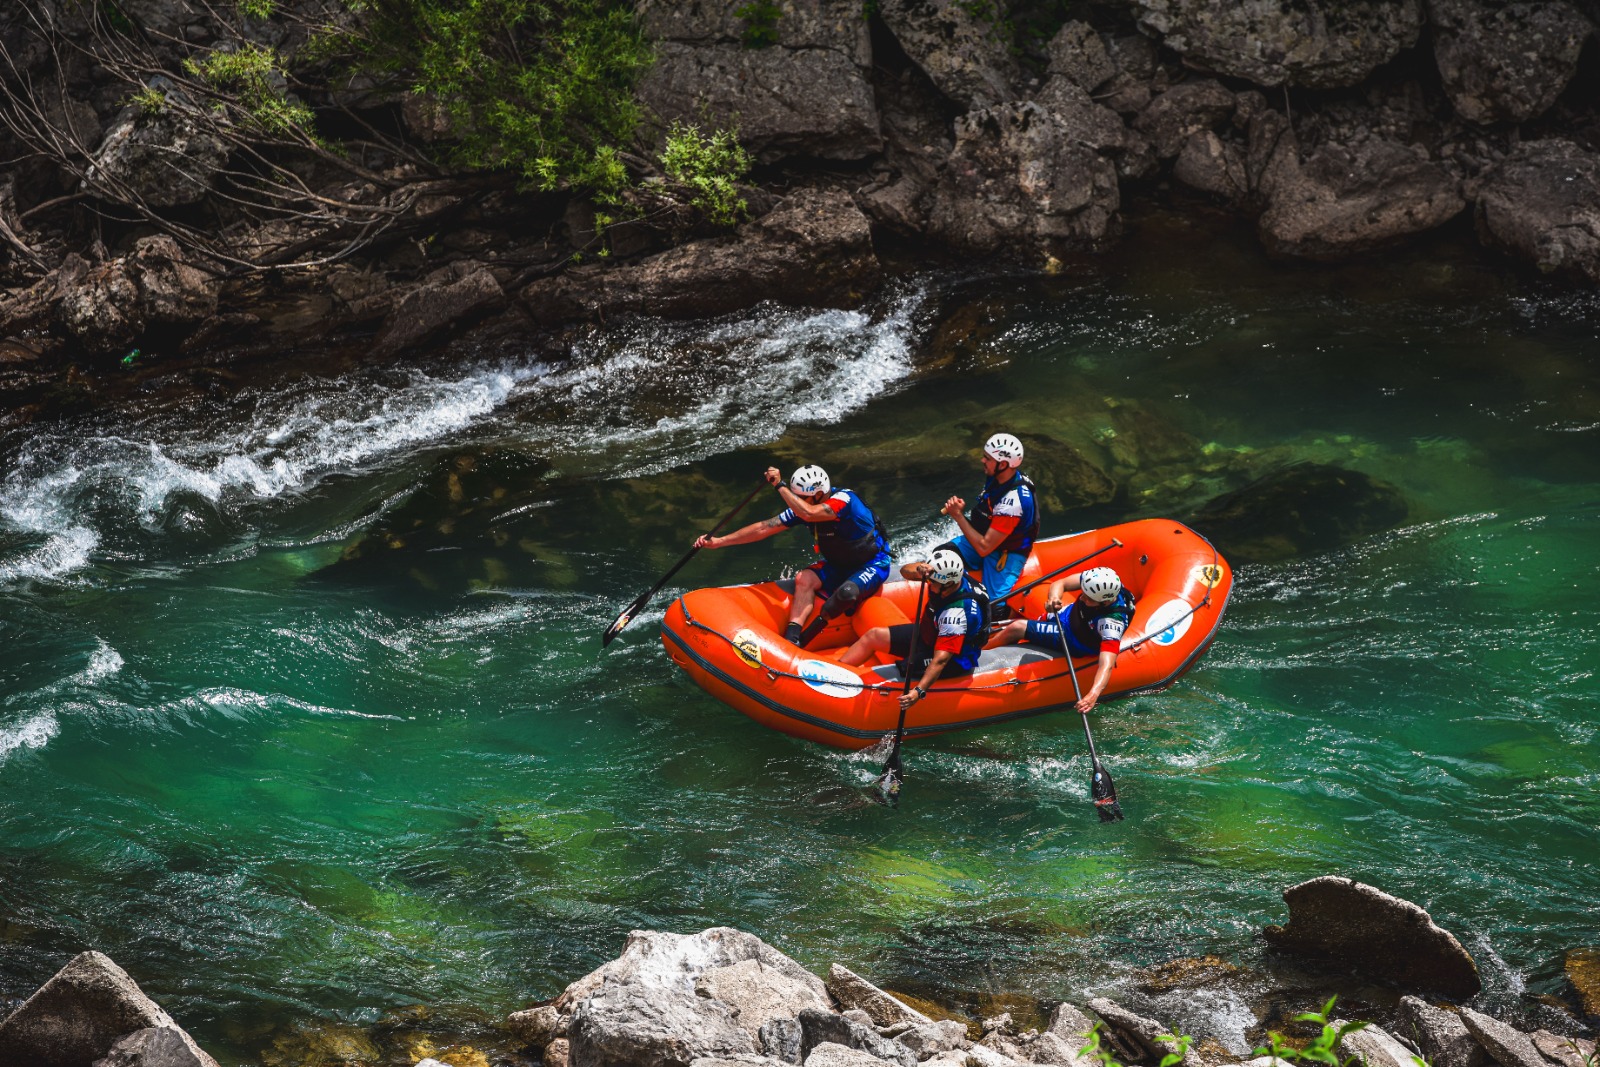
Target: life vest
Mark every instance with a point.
(1086, 612)
(850, 554)
(1023, 537)
(977, 624)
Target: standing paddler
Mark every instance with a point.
(848, 537)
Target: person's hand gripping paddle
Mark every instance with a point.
(1102, 790)
(637, 606)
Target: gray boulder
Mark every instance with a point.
(99, 306)
(1384, 937)
(930, 1039)
(757, 994)
(1019, 182)
(640, 1024)
(1078, 54)
(1097, 127)
(167, 159)
(1071, 1025)
(916, 143)
(1182, 110)
(1509, 1046)
(782, 1039)
(1563, 1051)
(1440, 1034)
(813, 249)
(156, 1046)
(806, 95)
(1374, 1047)
(1505, 62)
(1541, 204)
(1213, 165)
(1347, 200)
(1285, 42)
(825, 1027)
(853, 991)
(829, 1054)
(447, 300)
(537, 1027)
(172, 290)
(1146, 1035)
(958, 45)
(78, 1015)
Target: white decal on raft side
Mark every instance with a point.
(829, 679)
(1169, 622)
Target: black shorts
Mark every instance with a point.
(900, 647)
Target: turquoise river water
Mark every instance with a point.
(304, 719)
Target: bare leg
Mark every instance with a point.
(874, 640)
(1010, 634)
(806, 584)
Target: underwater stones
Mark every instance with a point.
(1441, 1034)
(1509, 1046)
(853, 991)
(1189, 973)
(1583, 971)
(1346, 922)
(1303, 509)
(78, 1015)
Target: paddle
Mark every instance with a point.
(888, 783)
(638, 605)
(1059, 570)
(1102, 790)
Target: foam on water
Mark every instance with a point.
(34, 732)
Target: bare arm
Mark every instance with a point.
(935, 665)
(1072, 583)
(806, 510)
(756, 531)
(1102, 675)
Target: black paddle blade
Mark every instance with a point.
(623, 620)
(887, 788)
(1103, 791)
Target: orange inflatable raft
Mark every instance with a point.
(730, 642)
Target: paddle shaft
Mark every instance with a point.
(638, 605)
(1098, 772)
(891, 766)
(1059, 570)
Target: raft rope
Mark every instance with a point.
(885, 686)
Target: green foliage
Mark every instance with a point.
(1097, 1051)
(252, 75)
(149, 101)
(540, 87)
(1324, 1048)
(258, 9)
(710, 167)
(760, 23)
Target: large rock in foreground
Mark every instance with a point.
(1384, 937)
(813, 249)
(1505, 62)
(79, 1015)
(1541, 204)
(1285, 42)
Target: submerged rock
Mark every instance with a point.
(1583, 971)
(80, 1014)
(1384, 937)
(1300, 510)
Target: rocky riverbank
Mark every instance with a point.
(725, 997)
(948, 129)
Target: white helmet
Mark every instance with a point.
(1101, 584)
(946, 567)
(810, 479)
(1004, 449)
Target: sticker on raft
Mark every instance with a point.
(1173, 619)
(744, 643)
(829, 679)
(1210, 574)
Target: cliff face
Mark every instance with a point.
(130, 216)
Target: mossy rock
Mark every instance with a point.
(1188, 973)
(1583, 971)
(1301, 510)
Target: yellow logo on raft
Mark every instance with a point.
(744, 643)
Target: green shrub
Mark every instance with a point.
(1324, 1048)
(252, 75)
(760, 23)
(710, 168)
